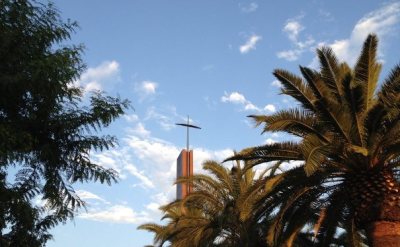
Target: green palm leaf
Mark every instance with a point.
(367, 71)
(294, 86)
(330, 71)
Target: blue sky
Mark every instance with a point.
(212, 60)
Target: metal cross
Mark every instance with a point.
(187, 125)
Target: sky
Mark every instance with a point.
(209, 60)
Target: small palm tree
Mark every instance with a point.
(349, 147)
(217, 213)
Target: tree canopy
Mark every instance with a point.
(46, 131)
(348, 147)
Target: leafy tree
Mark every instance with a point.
(349, 147)
(46, 132)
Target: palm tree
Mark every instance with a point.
(349, 147)
(217, 213)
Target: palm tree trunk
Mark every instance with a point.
(384, 234)
(377, 208)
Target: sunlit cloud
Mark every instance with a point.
(116, 214)
(290, 55)
(149, 87)
(270, 108)
(146, 181)
(276, 83)
(234, 97)
(381, 22)
(140, 130)
(95, 78)
(146, 89)
(86, 195)
(165, 117)
(132, 118)
(239, 99)
(250, 44)
(292, 29)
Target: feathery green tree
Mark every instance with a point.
(349, 147)
(46, 132)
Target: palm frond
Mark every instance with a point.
(294, 121)
(330, 71)
(366, 71)
(390, 90)
(314, 153)
(294, 86)
(276, 229)
(325, 106)
(220, 172)
(353, 95)
(283, 151)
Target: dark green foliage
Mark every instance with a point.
(348, 153)
(46, 132)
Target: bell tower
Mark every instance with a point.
(184, 164)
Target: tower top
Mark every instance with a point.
(187, 125)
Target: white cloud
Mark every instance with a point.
(276, 83)
(153, 207)
(250, 44)
(380, 22)
(95, 78)
(239, 99)
(132, 118)
(164, 117)
(106, 160)
(307, 44)
(250, 107)
(158, 158)
(140, 175)
(234, 97)
(153, 151)
(201, 155)
(117, 214)
(292, 29)
(86, 195)
(248, 8)
(270, 108)
(146, 89)
(149, 87)
(140, 130)
(270, 141)
(289, 55)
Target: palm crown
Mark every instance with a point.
(349, 144)
(217, 213)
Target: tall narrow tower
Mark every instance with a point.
(184, 164)
(184, 168)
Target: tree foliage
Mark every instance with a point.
(217, 213)
(46, 131)
(348, 148)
